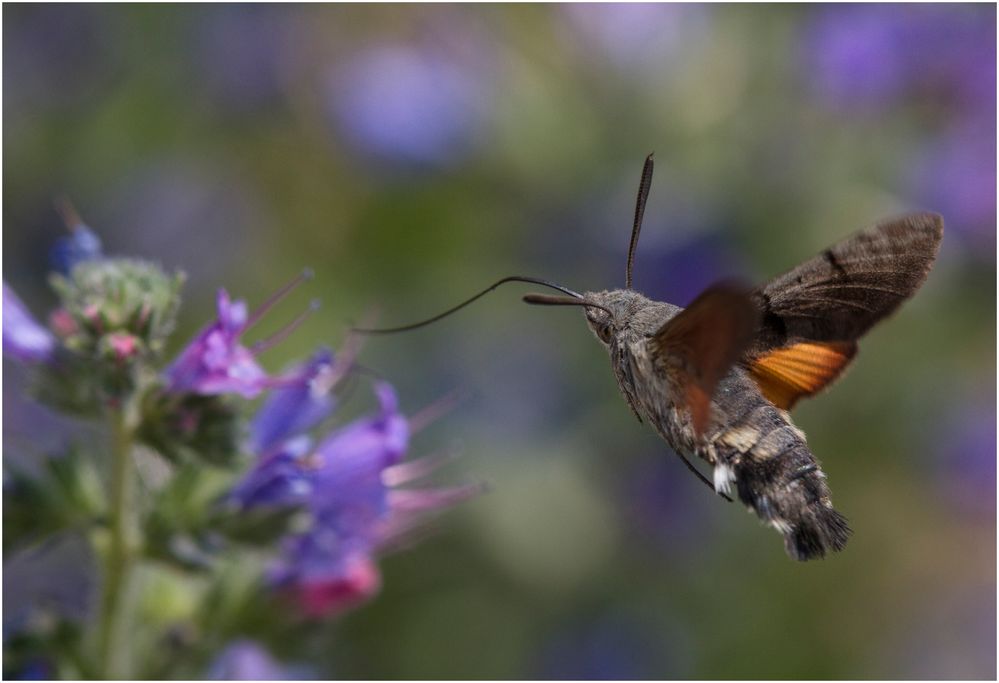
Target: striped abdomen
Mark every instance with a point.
(755, 446)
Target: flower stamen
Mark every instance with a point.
(282, 334)
(277, 296)
(431, 413)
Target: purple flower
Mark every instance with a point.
(859, 54)
(348, 484)
(302, 401)
(283, 477)
(215, 362)
(875, 54)
(407, 105)
(679, 272)
(329, 577)
(956, 175)
(330, 567)
(246, 660)
(23, 337)
(80, 245)
(967, 457)
(36, 669)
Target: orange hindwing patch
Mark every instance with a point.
(793, 372)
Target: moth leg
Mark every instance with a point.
(700, 475)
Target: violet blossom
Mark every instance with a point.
(348, 485)
(247, 660)
(80, 245)
(409, 106)
(23, 337)
(875, 54)
(300, 403)
(215, 362)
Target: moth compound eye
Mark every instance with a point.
(604, 332)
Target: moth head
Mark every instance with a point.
(601, 322)
(613, 312)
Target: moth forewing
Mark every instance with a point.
(699, 346)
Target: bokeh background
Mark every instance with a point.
(414, 154)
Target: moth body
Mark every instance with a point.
(716, 379)
(752, 445)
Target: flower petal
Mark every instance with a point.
(215, 362)
(299, 403)
(23, 337)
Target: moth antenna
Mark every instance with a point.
(643, 195)
(458, 307)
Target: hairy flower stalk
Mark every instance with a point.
(113, 651)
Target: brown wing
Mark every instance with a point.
(699, 345)
(813, 314)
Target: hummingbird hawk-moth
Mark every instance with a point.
(716, 380)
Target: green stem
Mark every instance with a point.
(112, 652)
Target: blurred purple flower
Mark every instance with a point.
(348, 486)
(873, 54)
(23, 337)
(329, 568)
(80, 245)
(859, 53)
(633, 35)
(302, 401)
(327, 577)
(967, 457)
(679, 272)
(284, 476)
(36, 669)
(408, 105)
(956, 176)
(246, 660)
(215, 362)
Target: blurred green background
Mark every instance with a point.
(413, 154)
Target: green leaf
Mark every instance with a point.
(190, 428)
(258, 527)
(67, 493)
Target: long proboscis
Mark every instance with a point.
(547, 300)
(466, 302)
